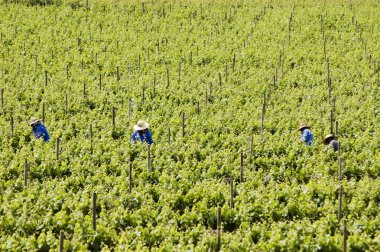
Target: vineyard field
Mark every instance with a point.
(224, 86)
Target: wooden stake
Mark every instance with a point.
(91, 138)
(183, 124)
(169, 135)
(61, 238)
(340, 202)
(67, 71)
(57, 149)
(232, 192)
(149, 160)
(118, 74)
(233, 63)
(100, 81)
(94, 211)
(345, 236)
(130, 178)
(84, 89)
(219, 229)
(251, 147)
(113, 117)
(241, 167)
(2, 98)
(220, 79)
(331, 122)
(139, 62)
(167, 78)
(262, 120)
(25, 173)
(66, 104)
(336, 128)
(36, 63)
(340, 169)
(46, 78)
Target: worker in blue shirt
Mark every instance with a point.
(306, 135)
(142, 133)
(39, 130)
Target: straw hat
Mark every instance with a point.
(33, 121)
(303, 126)
(141, 125)
(327, 138)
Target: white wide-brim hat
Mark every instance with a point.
(141, 125)
(33, 121)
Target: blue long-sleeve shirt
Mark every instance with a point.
(307, 137)
(145, 137)
(40, 131)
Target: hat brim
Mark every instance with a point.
(34, 122)
(327, 139)
(136, 127)
(304, 127)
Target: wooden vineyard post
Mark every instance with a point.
(232, 192)
(61, 239)
(118, 74)
(84, 89)
(66, 104)
(197, 107)
(241, 167)
(233, 63)
(251, 147)
(168, 135)
(113, 117)
(331, 122)
(100, 81)
(67, 71)
(91, 145)
(57, 149)
(340, 169)
(94, 211)
(2, 98)
(130, 178)
(12, 125)
(46, 78)
(149, 159)
(36, 63)
(139, 62)
(340, 202)
(167, 78)
(25, 173)
(183, 124)
(345, 236)
(220, 79)
(219, 229)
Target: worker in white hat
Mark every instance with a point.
(142, 133)
(39, 130)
